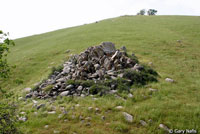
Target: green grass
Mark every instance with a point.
(152, 39)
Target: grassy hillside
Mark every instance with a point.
(152, 39)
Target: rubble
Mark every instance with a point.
(97, 63)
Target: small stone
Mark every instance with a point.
(56, 132)
(35, 113)
(97, 66)
(40, 106)
(88, 118)
(113, 77)
(22, 113)
(164, 127)
(97, 109)
(65, 93)
(80, 88)
(69, 87)
(130, 95)
(23, 119)
(169, 80)
(90, 108)
(103, 117)
(28, 89)
(52, 112)
(77, 105)
(137, 67)
(66, 120)
(128, 117)
(46, 126)
(28, 95)
(153, 90)
(120, 75)
(82, 95)
(113, 91)
(119, 107)
(143, 123)
(20, 98)
(35, 102)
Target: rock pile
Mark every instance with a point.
(96, 63)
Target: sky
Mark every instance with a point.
(29, 17)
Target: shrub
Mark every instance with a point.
(141, 77)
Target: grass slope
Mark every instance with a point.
(152, 39)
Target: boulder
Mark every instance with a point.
(108, 47)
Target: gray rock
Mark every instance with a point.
(103, 117)
(130, 95)
(113, 77)
(22, 112)
(65, 93)
(88, 118)
(28, 89)
(97, 66)
(20, 98)
(143, 123)
(128, 117)
(35, 102)
(46, 126)
(80, 88)
(107, 64)
(153, 90)
(169, 80)
(82, 95)
(119, 107)
(56, 132)
(66, 69)
(113, 91)
(121, 75)
(40, 106)
(90, 108)
(97, 110)
(108, 47)
(164, 127)
(52, 112)
(77, 105)
(22, 119)
(115, 55)
(28, 95)
(138, 67)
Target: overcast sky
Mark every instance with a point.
(27, 17)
